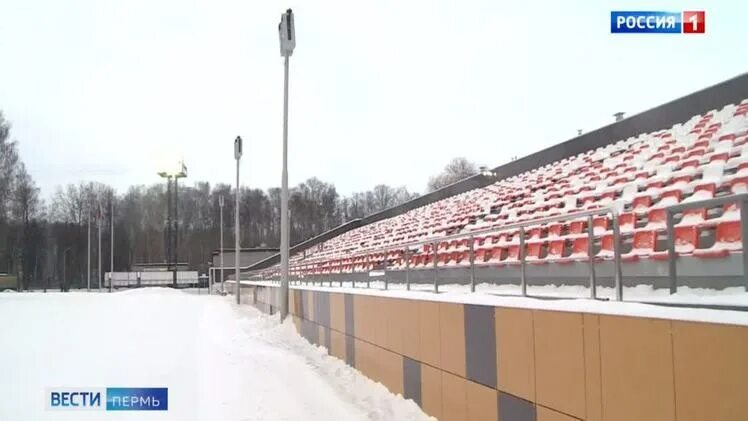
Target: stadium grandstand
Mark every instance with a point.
(649, 207)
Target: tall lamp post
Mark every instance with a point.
(167, 176)
(181, 174)
(287, 35)
(98, 225)
(172, 256)
(111, 243)
(88, 256)
(220, 206)
(238, 157)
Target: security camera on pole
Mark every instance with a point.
(238, 156)
(287, 34)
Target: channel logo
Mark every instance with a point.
(109, 399)
(640, 22)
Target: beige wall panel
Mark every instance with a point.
(559, 361)
(711, 371)
(636, 369)
(515, 354)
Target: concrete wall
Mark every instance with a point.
(477, 362)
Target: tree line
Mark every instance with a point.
(43, 243)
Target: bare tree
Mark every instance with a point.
(456, 170)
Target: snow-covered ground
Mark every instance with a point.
(219, 362)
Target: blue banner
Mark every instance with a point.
(640, 22)
(137, 398)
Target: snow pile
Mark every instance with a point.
(219, 362)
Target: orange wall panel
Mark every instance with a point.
(452, 327)
(454, 397)
(431, 390)
(337, 312)
(559, 361)
(481, 402)
(337, 343)
(636, 369)
(545, 414)
(429, 334)
(711, 371)
(593, 382)
(515, 353)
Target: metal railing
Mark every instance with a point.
(671, 211)
(522, 260)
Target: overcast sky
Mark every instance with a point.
(381, 91)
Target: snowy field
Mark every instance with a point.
(219, 362)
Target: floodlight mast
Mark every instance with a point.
(238, 157)
(220, 205)
(287, 35)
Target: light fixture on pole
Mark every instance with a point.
(238, 157)
(220, 206)
(287, 35)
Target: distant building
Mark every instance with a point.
(158, 267)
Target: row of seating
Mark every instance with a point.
(702, 158)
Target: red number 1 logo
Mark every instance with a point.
(694, 22)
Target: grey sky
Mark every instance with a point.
(381, 91)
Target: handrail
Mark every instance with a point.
(588, 214)
(707, 202)
(670, 211)
(493, 230)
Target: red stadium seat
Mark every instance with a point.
(643, 245)
(686, 241)
(728, 238)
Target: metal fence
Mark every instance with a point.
(672, 212)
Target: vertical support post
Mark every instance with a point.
(384, 269)
(617, 272)
(111, 246)
(168, 223)
(472, 263)
(368, 273)
(591, 257)
(237, 247)
(220, 205)
(671, 262)
(407, 268)
(284, 199)
(744, 232)
(176, 230)
(436, 269)
(88, 256)
(98, 224)
(522, 263)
